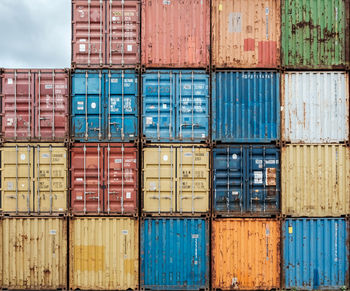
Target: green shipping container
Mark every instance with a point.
(315, 34)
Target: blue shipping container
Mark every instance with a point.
(315, 254)
(247, 179)
(245, 106)
(175, 106)
(104, 105)
(174, 254)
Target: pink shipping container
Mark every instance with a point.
(175, 33)
(35, 105)
(105, 33)
(104, 178)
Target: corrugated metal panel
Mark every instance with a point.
(315, 254)
(175, 106)
(34, 178)
(315, 107)
(104, 253)
(105, 33)
(257, 241)
(34, 253)
(246, 180)
(104, 105)
(315, 180)
(246, 34)
(245, 106)
(35, 105)
(175, 179)
(104, 178)
(174, 254)
(175, 34)
(314, 33)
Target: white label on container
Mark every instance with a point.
(48, 86)
(258, 161)
(164, 106)
(118, 161)
(258, 177)
(9, 81)
(195, 236)
(203, 135)
(79, 197)
(23, 157)
(129, 47)
(165, 158)
(45, 155)
(9, 185)
(9, 121)
(128, 195)
(267, 10)
(82, 47)
(152, 186)
(188, 155)
(79, 179)
(166, 2)
(282, 108)
(235, 193)
(114, 18)
(235, 22)
(80, 105)
(186, 86)
(234, 157)
(125, 231)
(149, 120)
(53, 231)
(83, 40)
(93, 105)
(60, 209)
(114, 80)
(270, 162)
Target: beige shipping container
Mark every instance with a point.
(33, 253)
(246, 34)
(34, 178)
(315, 180)
(104, 253)
(175, 179)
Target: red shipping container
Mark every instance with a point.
(175, 33)
(105, 33)
(35, 105)
(104, 178)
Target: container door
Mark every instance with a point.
(264, 179)
(123, 30)
(229, 179)
(121, 179)
(86, 179)
(87, 108)
(192, 102)
(51, 111)
(193, 179)
(17, 179)
(50, 172)
(158, 106)
(159, 168)
(121, 103)
(17, 104)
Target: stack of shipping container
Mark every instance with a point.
(193, 145)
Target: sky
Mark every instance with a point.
(35, 33)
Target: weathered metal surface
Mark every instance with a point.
(245, 106)
(174, 254)
(246, 34)
(315, 107)
(315, 254)
(315, 180)
(245, 254)
(315, 34)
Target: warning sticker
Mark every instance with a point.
(82, 47)
(290, 229)
(149, 120)
(9, 81)
(258, 177)
(128, 195)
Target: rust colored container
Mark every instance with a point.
(104, 178)
(175, 33)
(105, 33)
(246, 34)
(245, 254)
(35, 105)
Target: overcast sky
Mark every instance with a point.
(35, 33)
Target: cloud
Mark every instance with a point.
(35, 33)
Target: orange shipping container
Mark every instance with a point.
(175, 33)
(246, 33)
(245, 254)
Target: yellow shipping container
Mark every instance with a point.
(33, 253)
(175, 179)
(34, 178)
(315, 180)
(104, 253)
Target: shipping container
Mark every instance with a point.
(315, 34)
(35, 105)
(175, 34)
(315, 180)
(105, 33)
(34, 253)
(315, 254)
(245, 106)
(246, 34)
(315, 107)
(34, 178)
(174, 254)
(175, 106)
(246, 180)
(104, 178)
(104, 253)
(175, 179)
(257, 241)
(104, 105)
